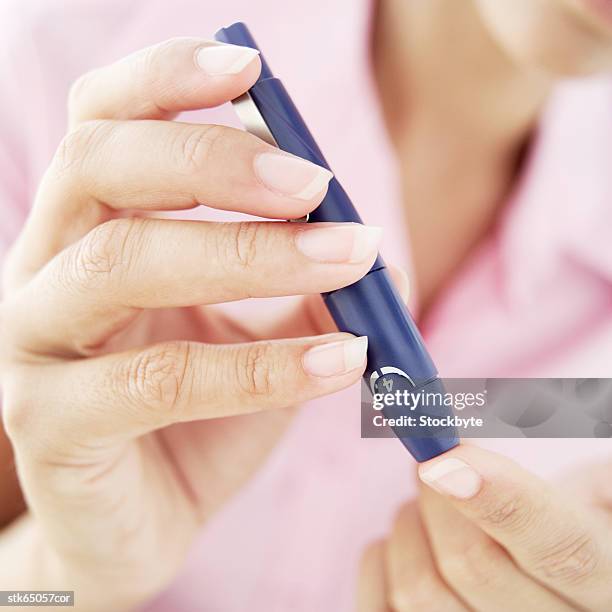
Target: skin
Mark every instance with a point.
(462, 85)
(515, 542)
(117, 380)
(98, 390)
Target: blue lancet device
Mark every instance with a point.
(372, 307)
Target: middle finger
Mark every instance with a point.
(95, 287)
(159, 165)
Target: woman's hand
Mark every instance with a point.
(116, 383)
(485, 534)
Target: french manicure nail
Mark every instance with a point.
(452, 477)
(217, 60)
(291, 176)
(336, 358)
(346, 243)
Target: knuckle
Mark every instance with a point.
(193, 147)
(73, 150)
(256, 369)
(245, 243)
(512, 513)
(156, 378)
(147, 61)
(571, 560)
(475, 566)
(103, 255)
(150, 59)
(149, 67)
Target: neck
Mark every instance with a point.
(459, 113)
(450, 67)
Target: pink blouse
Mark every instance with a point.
(535, 300)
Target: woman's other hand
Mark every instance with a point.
(486, 534)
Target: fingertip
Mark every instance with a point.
(216, 86)
(217, 73)
(451, 476)
(226, 60)
(292, 177)
(336, 358)
(250, 72)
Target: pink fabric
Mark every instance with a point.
(535, 300)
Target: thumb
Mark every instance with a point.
(560, 544)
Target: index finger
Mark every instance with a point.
(553, 540)
(162, 80)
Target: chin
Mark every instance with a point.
(553, 36)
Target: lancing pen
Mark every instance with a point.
(397, 359)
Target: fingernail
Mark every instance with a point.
(217, 60)
(452, 477)
(336, 358)
(291, 176)
(348, 243)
